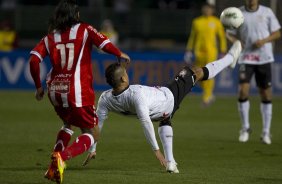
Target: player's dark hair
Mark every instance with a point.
(110, 74)
(65, 16)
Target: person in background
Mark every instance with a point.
(108, 30)
(203, 43)
(8, 37)
(260, 28)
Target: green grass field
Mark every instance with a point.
(205, 146)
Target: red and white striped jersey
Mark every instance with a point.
(70, 81)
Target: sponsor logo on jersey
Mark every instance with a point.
(60, 86)
(251, 57)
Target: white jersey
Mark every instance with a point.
(257, 25)
(147, 103)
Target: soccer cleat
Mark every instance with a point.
(235, 51)
(266, 138)
(244, 135)
(171, 167)
(56, 168)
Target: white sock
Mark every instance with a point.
(92, 148)
(243, 108)
(266, 112)
(166, 136)
(217, 66)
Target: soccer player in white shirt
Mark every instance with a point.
(260, 28)
(155, 103)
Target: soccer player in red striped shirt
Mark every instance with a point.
(69, 45)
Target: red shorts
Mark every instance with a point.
(82, 117)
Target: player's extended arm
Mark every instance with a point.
(102, 113)
(149, 132)
(190, 45)
(35, 73)
(148, 128)
(222, 38)
(111, 49)
(272, 37)
(192, 37)
(231, 37)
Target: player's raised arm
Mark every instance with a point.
(102, 42)
(147, 125)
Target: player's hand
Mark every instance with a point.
(259, 43)
(160, 157)
(89, 157)
(188, 57)
(39, 93)
(124, 59)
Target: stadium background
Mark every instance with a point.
(154, 36)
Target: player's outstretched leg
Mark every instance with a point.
(166, 136)
(212, 69)
(230, 59)
(187, 77)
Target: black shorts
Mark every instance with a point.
(181, 85)
(262, 74)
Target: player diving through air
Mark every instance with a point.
(156, 103)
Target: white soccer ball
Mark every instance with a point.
(232, 17)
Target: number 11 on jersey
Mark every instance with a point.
(62, 48)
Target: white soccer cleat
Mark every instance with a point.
(235, 51)
(266, 138)
(171, 167)
(244, 135)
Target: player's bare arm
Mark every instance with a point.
(160, 157)
(272, 37)
(35, 73)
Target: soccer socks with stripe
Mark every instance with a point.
(166, 136)
(243, 108)
(63, 139)
(266, 112)
(79, 146)
(217, 66)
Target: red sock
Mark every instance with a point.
(79, 146)
(63, 139)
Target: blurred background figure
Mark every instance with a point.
(167, 4)
(203, 43)
(8, 36)
(108, 29)
(260, 29)
(122, 9)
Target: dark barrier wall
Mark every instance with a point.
(149, 68)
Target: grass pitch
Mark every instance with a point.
(205, 146)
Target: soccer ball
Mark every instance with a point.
(232, 17)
